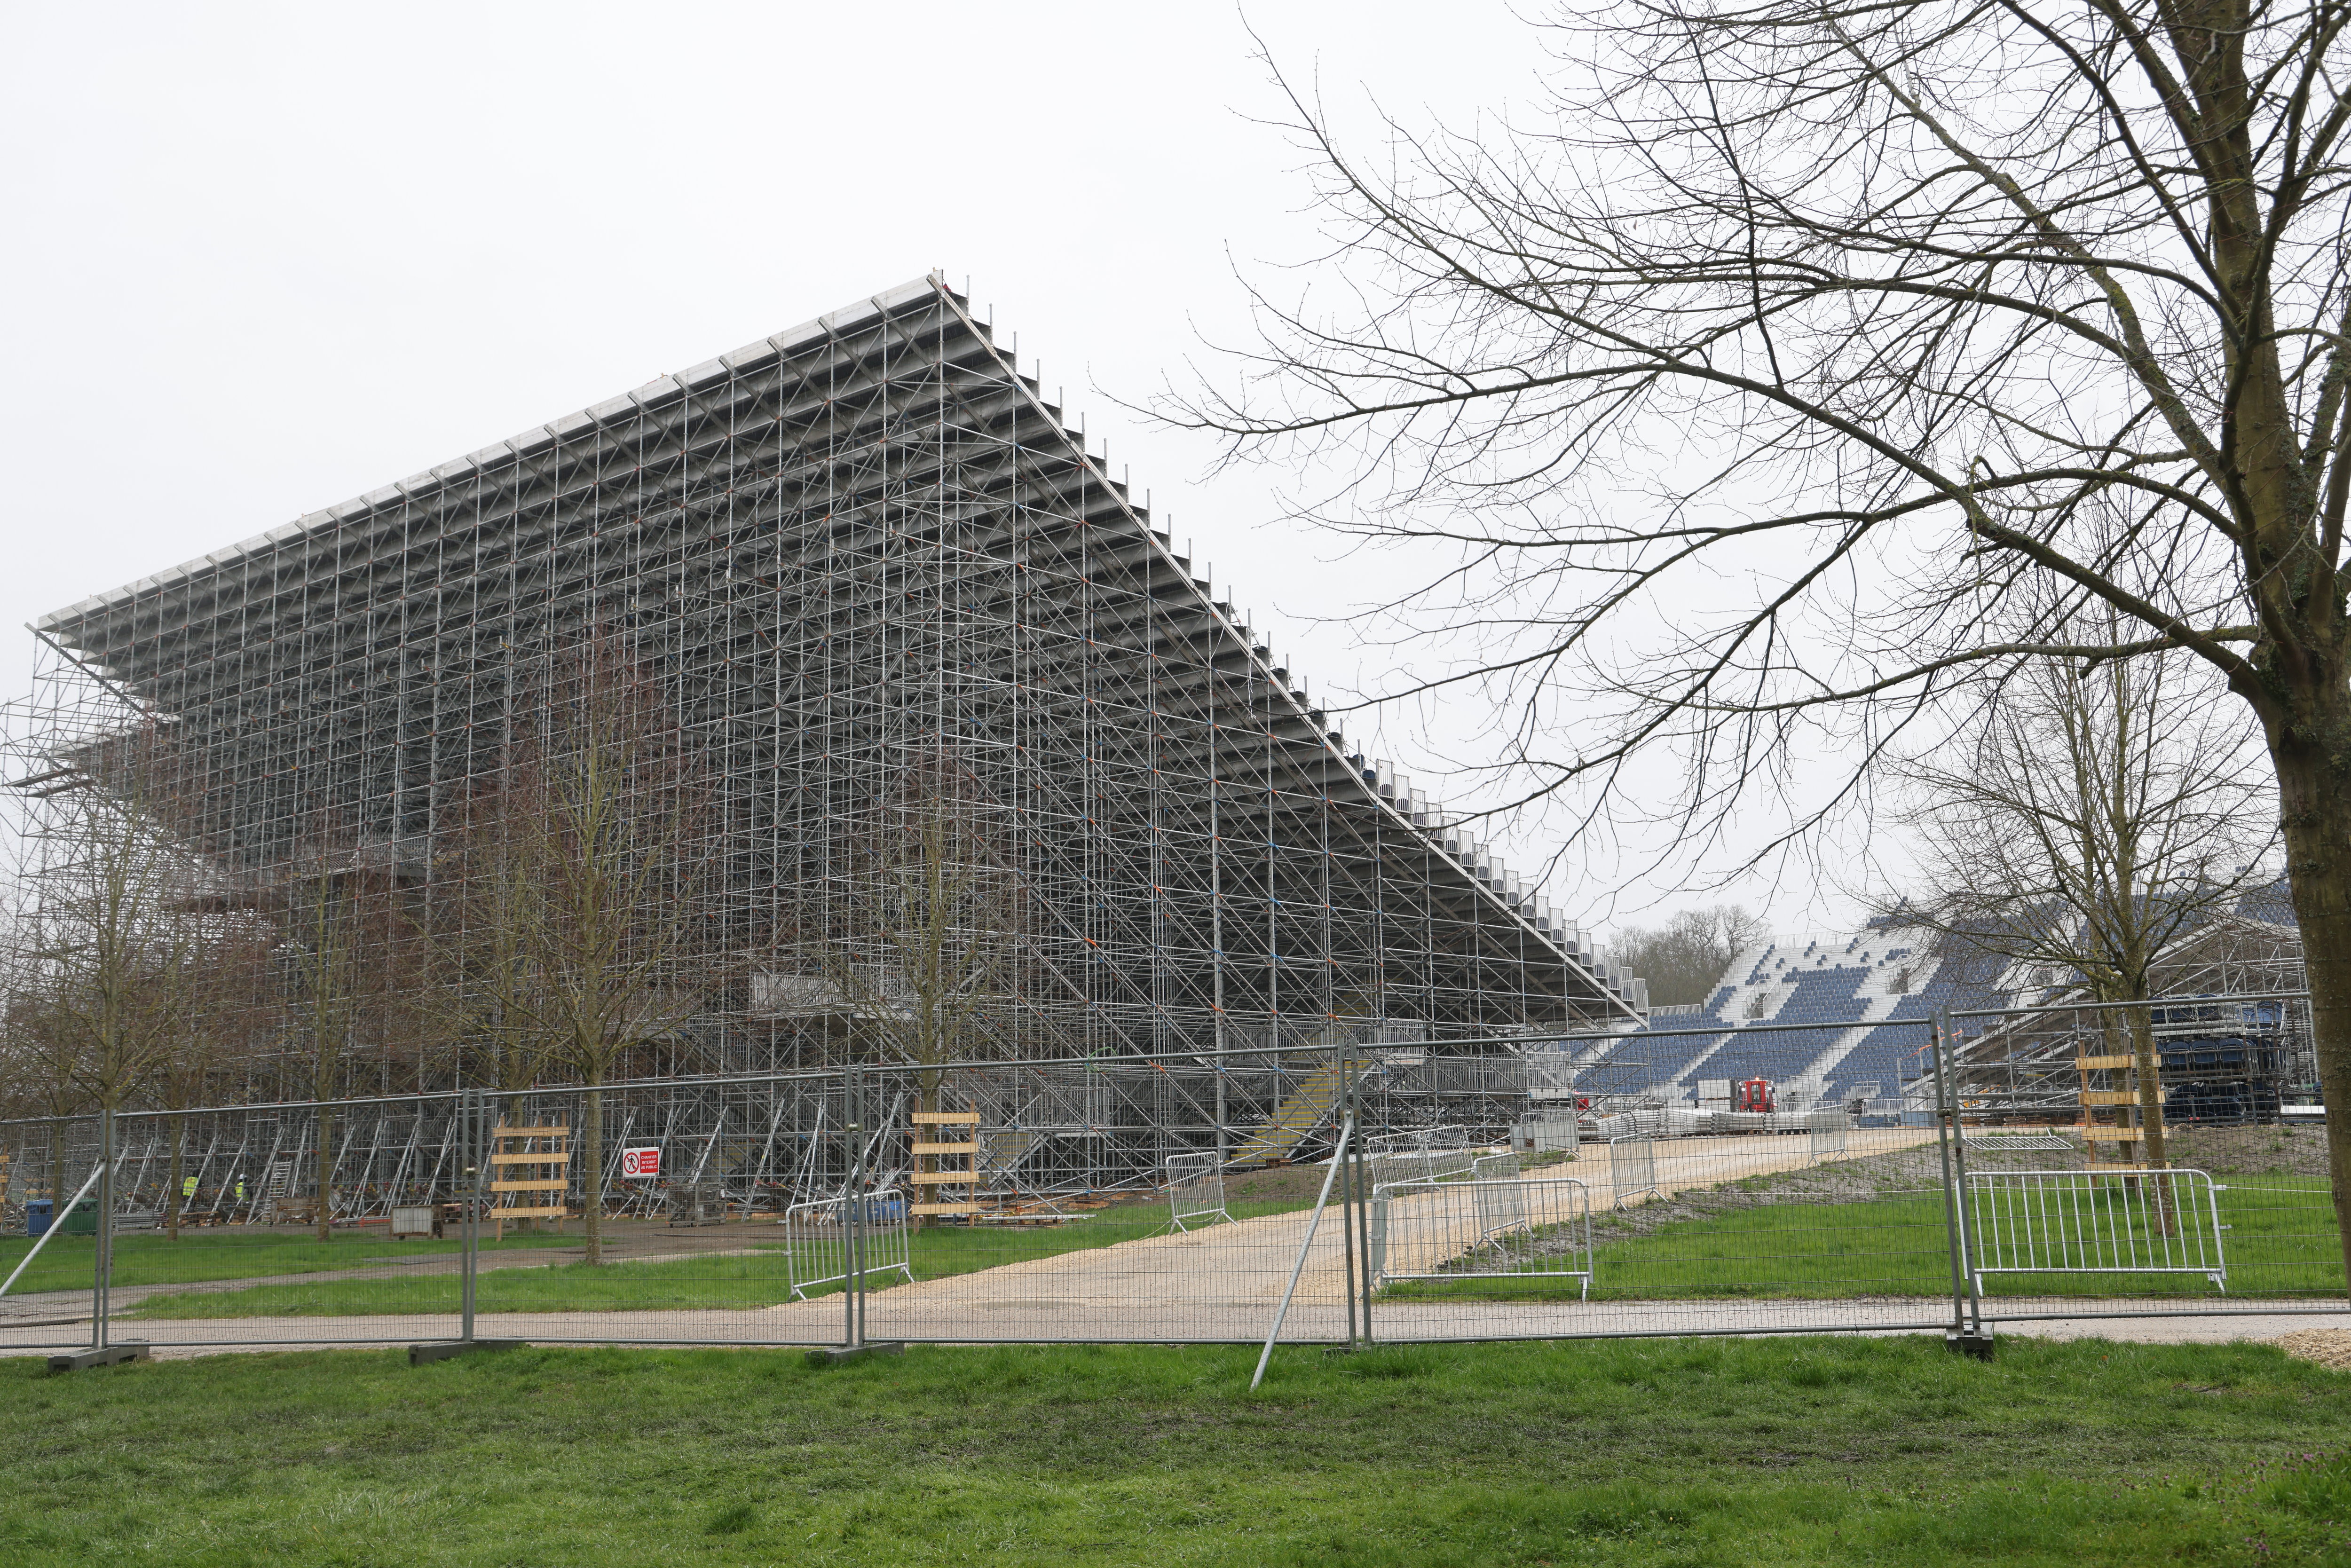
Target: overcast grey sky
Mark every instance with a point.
(265, 257)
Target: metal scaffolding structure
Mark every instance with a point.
(861, 552)
(2230, 1032)
(756, 1145)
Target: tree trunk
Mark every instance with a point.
(325, 1213)
(926, 1099)
(57, 1168)
(2315, 807)
(171, 1182)
(591, 1173)
(2149, 1073)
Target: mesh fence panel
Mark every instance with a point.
(1195, 1189)
(1064, 1201)
(49, 1253)
(2166, 1133)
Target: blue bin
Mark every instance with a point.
(36, 1215)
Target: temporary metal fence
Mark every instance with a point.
(1195, 1190)
(2086, 1222)
(1478, 1232)
(1549, 1130)
(1633, 1167)
(825, 1243)
(1427, 1154)
(784, 1209)
(1825, 1132)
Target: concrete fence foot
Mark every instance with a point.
(112, 1356)
(833, 1356)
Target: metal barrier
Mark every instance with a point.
(2084, 1222)
(2010, 1143)
(1089, 1232)
(817, 1241)
(1426, 1161)
(1632, 1168)
(1433, 1155)
(1454, 1231)
(1826, 1131)
(1195, 1189)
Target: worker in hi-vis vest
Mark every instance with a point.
(188, 1190)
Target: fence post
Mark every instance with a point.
(1951, 1191)
(102, 1267)
(1967, 1310)
(473, 1145)
(1345, 1106)
(857, 1243)
(851, 1158)
(1967, 1202)
(1363, 1211)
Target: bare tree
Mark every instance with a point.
(113, 927)
(231, 1007)
(2085, 827)
(326, 952)
(107, 937)
(928, 943)
(1747, 373)
(348, 948)
(599, 935)
(40, 1079)
(1684, 958)
(479, 916)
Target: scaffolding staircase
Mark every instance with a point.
(1310, 1104)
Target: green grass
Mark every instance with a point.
(2282, 1242)
(200, 1255)
(1690, 1453)
(720, 1283)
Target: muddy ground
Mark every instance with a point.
(2250, 1151)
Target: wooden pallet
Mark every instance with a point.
(541, 1172)
(937, 1191)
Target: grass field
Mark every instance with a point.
(722, 1284)
(200, 1255)
(2280, 1241)
(1690, 1453)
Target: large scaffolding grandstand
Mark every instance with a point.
(855, 556)
(1840, 1020)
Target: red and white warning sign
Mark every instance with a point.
(641, 1163)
